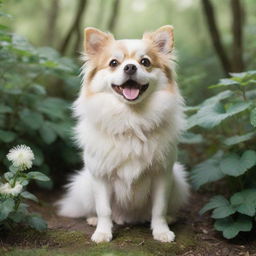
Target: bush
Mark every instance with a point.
(227, 121)
(13, 209)
(28, 114)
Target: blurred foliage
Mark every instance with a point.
(28, 114)
(198, 64)
(227, 126)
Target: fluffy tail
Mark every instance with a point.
(180, 189)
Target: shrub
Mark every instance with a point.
(228, 122)
(13, 192)
(28, 114)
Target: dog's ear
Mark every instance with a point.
(95, 40)
(162, 38)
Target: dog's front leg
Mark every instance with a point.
(160, 196)
(102, 193)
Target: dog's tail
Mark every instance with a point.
(180, 189)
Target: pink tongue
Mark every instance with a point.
(131, 93)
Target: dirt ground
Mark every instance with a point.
(194, 236)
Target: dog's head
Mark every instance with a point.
(129, 69)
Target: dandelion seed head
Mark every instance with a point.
(21, 157)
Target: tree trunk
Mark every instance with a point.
(51, 22)
(215, 36)
(75, 27)
(237, 30)
(114, 15)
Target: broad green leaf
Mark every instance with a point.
(223, 211)
(233, 165)
(7, 136)
(220, 206)
(191, 138)
(6, 207)
(38, 89)
(32, 119)
(8, 176)
(225, 82)
(253, 117)
(28, 195)
(36, 222)
(47, 133)
(54, 108)
(214, 202)
(207, 171)
(38, 176)
(245, 202)
(212, 115)
(238, 139)
(5, 109)
(217, 98)
(19, 215)
(231, 227)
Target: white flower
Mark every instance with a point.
(7, 189)
(21, 157)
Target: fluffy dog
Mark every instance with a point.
(130, 115)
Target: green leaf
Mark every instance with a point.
(36, 222)
(207, 171)
(6, 207)
(28, 195)
(225, 82)
(38, 89)
(212, 115)
(5, 109)
(245, 202)
(54, 108)
(238, 139)
(231, 227)
(222, 207)
(8, 176)
(38, 176)
(214, 202)
(233, 165)
(7, 136)
(191, 138)
(253, 117)
(47, 133)
(32, 119)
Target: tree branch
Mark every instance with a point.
(114, 15)
(237, 25)
(215, 36)
(75, 27)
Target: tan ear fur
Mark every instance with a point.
(95, 40)
(162, 38)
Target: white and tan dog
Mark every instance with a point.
(130, 115)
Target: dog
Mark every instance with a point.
(130, 116)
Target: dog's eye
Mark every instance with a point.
(145, 62)
(113, 63)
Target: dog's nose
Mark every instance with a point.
(130, 69)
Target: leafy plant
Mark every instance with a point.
(228, 120)
(13, 191)
(28, 113)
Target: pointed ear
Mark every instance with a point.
(95, 40)
(162, 38)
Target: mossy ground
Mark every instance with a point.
(128, 241)
(71, 237)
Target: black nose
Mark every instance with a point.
(130, 69)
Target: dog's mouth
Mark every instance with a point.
(130, 90)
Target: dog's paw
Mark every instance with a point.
(165, 237)
(92, 221)
(100, 237)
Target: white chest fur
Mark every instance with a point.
(122, 141)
